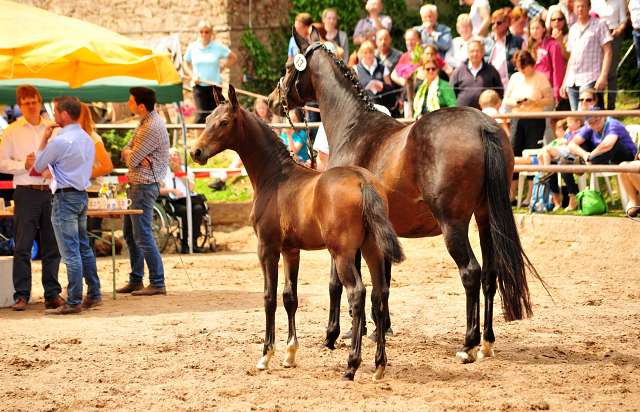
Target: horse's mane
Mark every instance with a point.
(280, 149)
(348, 74)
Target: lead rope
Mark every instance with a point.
(308, 139)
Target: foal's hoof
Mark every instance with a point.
(329, 344)
(379, 373)
(349, 375)
(264, 361)
(464, 357)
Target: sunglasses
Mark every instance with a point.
(558, 19)
(497, 23)
(584, 99)
(431, 69)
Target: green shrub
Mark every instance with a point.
(115, 141)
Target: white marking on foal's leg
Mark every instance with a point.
(264, 361)
(379, 373)
(486, 351)
(467, 357)
(290, 359)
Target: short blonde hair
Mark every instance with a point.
(464, 20)
(367, 45)
(204, 23)
(489, 98)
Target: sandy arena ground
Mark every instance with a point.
(196, 348)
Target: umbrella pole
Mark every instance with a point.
(186, 168)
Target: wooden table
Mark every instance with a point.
(104, 213)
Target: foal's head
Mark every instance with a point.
(223, 127)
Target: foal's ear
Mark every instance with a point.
(300, 40)
(218, 96)
(315, 36)
(232, 97)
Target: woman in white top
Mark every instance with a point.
(457, 53)
(480, 15)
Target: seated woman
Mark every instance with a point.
(176, 188)
(431, 50)
(631, 184)
(374, 77)
(432, 92)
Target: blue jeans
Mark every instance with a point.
(137, 233)
(573, 93)
(69, 219)
(636, 41)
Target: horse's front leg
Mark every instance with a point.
(290, 300)
(335, 294)
(269, 261)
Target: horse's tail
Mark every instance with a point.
(374, 211)
(512, 264)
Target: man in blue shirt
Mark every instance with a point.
(68, 159)
(603, 140)
(432, 32)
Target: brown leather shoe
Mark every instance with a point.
(151, 290)
(88, 303)
(128, 288)
(55, 303)
(20, 304)
(64, 310)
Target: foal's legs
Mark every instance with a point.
(489, 284)
(269, 261)
(379, 300)
(290, 300)
(456, 238)
(335, 294)
(356, 292)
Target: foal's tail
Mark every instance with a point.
(374, 211)
(512, 264)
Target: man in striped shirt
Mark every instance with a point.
(147, 157)
(590, 47)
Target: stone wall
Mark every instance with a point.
(145, 19)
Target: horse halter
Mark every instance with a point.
(294, 80)
(285, 96)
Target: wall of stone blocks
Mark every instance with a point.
(146, 19)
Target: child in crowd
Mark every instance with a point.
(296, 142)
(558, 151)
(490, 102)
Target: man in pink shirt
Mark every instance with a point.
(590, 48)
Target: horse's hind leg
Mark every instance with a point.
(290, 300)
(269, 262)
(456, 238)
(335, 294)
(489, 280)
(379, 300)
(356, 293)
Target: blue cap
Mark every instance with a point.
(590, 109)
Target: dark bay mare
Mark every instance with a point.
(298, 208)
(451, 164)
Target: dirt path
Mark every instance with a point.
(196, 350)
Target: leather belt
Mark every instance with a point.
(42, 188)
(70, 189)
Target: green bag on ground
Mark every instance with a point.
(591, 202)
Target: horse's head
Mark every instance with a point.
(222, 128)
(295, 88)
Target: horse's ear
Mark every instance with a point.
(315, 36)
(232, 97)
(218, 96)
(300, 40)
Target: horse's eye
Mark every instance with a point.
(224, 123)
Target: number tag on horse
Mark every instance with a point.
(300, 62)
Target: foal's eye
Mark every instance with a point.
(224, 123)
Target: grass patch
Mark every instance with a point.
(238, 189)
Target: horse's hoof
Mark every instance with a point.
(290, 359)
(486, 350)
(464, 357)
(349, 375)
(379, 373)
(264, 361)
(328, 344)
(289, 364)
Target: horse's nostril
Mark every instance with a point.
(197, 153)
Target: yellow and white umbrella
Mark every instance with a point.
(35, 43)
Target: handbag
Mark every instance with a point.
(591, 202)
